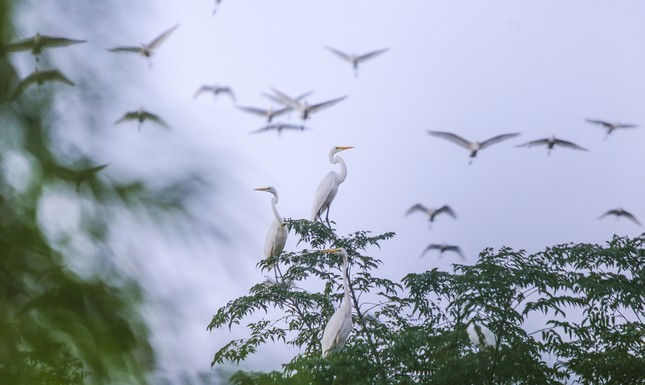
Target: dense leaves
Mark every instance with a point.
(569, 314)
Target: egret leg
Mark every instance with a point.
(327, 218)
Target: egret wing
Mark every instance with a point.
(161, 38)
(631, 216)
(370, 55)
(128, 116)
(202, 89)
(155, 118)
(55, 75)
(448, 210)
(568, 144)
(51, 41)
(22, 45)
(534, 143)
(328, 103)
(451, 137)
(432, 246)
(497, 139)
(325, 193)
(416, 207)
(254, 110)
(340, 54)
(125, 49)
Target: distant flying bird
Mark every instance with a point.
(141, 115)
(304, 108)
(473, 147)
(37, 43)
(215, 90)
(217, 3)
(443, 247)
(328, 187)
(146, 50)
(610, 126)
(87, 173)
(354, 59)
(619, 212)
(431, 212)
(269, 113)
(278, 127)
(279, 100)
(550, 143)
(40, 77)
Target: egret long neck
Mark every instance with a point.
(343, 168)
(345, 279)
(275, 210)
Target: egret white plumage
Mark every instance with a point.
(339, 326)
(431, 212)
(305, 108)
(141, 116)
(40, 77)
(38, 42)
(268, 113)
(146, 50)
(355, 59)
(473, 147)
(215, 89)
(480, 335)
(610, 126)
(277, 235)
(551, 142)
(328, 187)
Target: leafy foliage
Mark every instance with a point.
(572, 313)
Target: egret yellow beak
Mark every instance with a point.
(342, 148)
(262, 189)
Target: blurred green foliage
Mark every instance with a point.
(569, 314)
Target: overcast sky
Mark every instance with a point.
(474, 68)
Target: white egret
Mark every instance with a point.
(473, 147)
(432, 212)
(142, 115)
(610, 126)
(277, 235)
(550, 142)
(280, 100)
(305, 108)
(328, 187)
(443, 247)
(269, 113)
(215, 90)
(279, 127)
(38, 42)
(480, 335)
(620, 212)
(146, 50)
(339, 325)
(355, 59)
(40, 77)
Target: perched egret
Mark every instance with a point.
(38, 42)
(339, 325)
(277, 235)
(305, 108)
(480, 335)
(279, 127)
(142, 115)
(146, 50)
(215, 90)
(328, 187)
(550, 143)
(620, 212)
(473, 147)
(431, 212)
(40, 77)
(610, 126)
(269, 113)
(443, 247)
(355, 59)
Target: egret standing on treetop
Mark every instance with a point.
(340, 324)
(277, 235)
(328, 187)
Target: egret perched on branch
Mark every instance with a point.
(277, 235)
(480, 335)
(473, 147)
(328, 187)
(340, 324)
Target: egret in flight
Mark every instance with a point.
(269, 113)
(38, 42)
(443, 247)
(339, 325)
(551, 142)
(279, 127)
(620, 212)
(328, 187)
(355, 59)
(610, 126)
(277, 235)
(279, 100)
(215, 90)
(146, 50)
(432, 212)
(40, 77)
(141, 116)
(473, 147)
(305, 108)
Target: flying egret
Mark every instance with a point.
(277, 235)
(279, 100)
(215, 90)
(305, 108)
(443, 247)
(40, 77)
(328, 187)
(269, 113)
(620, 212)
(355, 59)
(38, 42)
(146, 50)
(339, 325)
(480, 335)
(279, 127)
(610, 126)
(551, 142)
(432, 212)
(473, 147)
(142, 115)
(87, 173)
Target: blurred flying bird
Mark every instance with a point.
(550, 143)
(269, 113)
(328, 187)
(87, 174)
(431, 212)
(279, 100)
(40, 77)
(37, 43)
(610, 126)
(146, 50)
(277, 235)
(443, 247)
(215, 90)
(217, 3)
(355, 59)
(141, 115)
(278, 127)
(473, 147)
(304, 108)
(339, 326)
(619, 212)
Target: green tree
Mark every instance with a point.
(572, 313)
